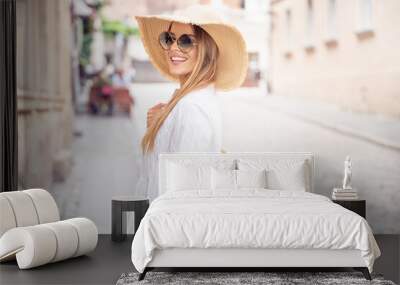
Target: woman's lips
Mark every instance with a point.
(176, 60)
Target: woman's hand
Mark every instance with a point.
(152, 112)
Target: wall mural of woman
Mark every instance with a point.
(197, 49)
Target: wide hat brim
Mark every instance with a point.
(233, 59)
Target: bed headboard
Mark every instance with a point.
(230, 158)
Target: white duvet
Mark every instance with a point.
(251, 218)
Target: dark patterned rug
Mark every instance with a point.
(269, 278)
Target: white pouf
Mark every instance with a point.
(31, 232)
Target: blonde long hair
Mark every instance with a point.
(204, 72)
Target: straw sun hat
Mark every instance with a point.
(233, 60)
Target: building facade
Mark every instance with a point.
(45, 115)
(336, 51)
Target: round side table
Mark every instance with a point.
(121, 204)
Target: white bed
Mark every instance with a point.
(194, 223)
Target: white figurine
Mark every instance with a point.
(347, 173)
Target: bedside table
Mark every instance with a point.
(357, 206)
(121, 204)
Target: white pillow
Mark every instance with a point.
(182, 177)
(255, 178)
(223, 179)
(288, 178)
(282, 174)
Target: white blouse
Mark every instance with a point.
(193, 125)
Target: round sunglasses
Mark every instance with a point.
(185, 42)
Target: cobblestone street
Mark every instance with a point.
(106, 156)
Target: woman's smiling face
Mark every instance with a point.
(180, 63)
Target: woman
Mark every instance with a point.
(195, 48)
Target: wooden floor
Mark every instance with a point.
(111, 259)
